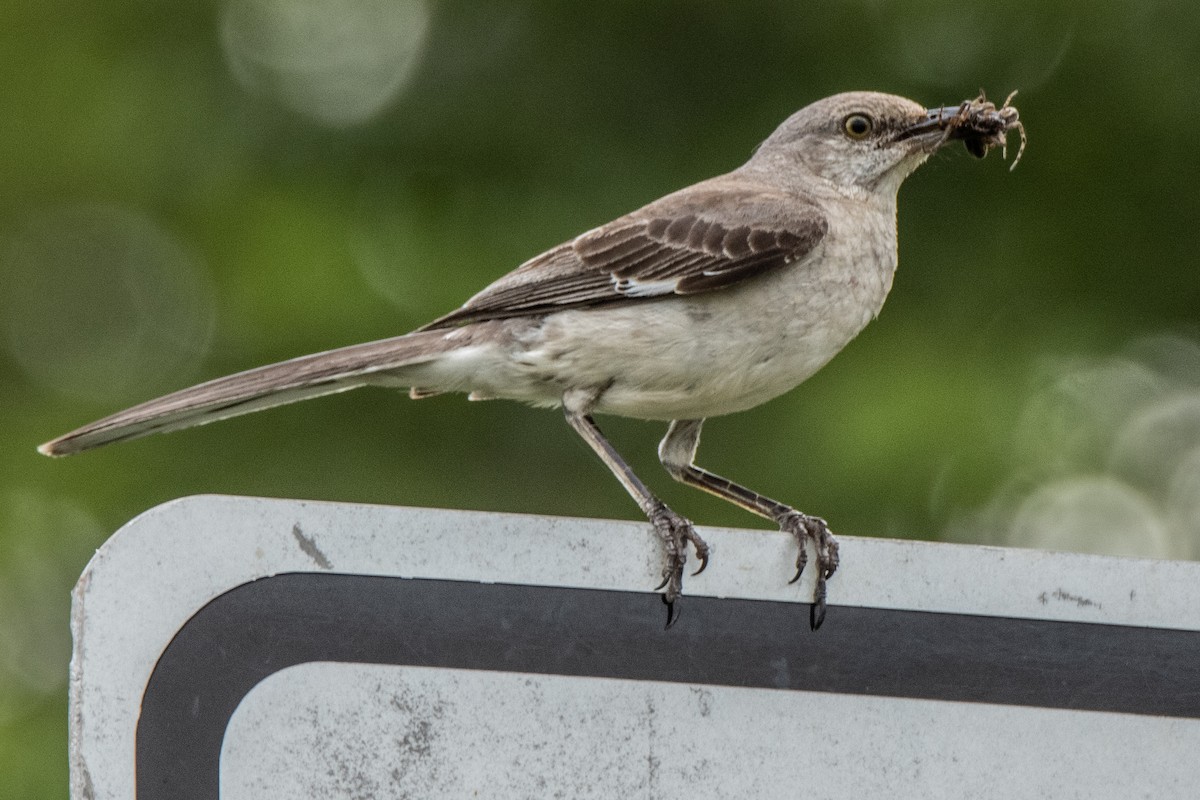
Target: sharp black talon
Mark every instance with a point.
(665, 579)
(801, 563)
(816, 612)
(672, 617)
(703, 565)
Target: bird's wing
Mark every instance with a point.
(698, 240)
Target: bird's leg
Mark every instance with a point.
(674, 530)
(677, 452)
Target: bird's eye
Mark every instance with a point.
(857, 126)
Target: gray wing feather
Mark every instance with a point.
(698, 240)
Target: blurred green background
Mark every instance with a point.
(190, 189)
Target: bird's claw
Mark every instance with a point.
(676, 532)
(671, 614)
(801, 562)
(816, 612)
(805, 529)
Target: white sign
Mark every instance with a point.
(247, 648)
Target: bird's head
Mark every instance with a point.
(863, 140)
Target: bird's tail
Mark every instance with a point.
(273, 385)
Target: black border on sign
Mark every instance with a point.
(262, 627)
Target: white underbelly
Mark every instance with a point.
(677, 357)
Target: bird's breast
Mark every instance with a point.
(707, 354)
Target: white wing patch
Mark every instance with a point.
(632, 287)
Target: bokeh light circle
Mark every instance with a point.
(337, 62)
(102, 303)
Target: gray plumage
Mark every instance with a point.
(707, 301)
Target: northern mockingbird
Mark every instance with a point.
(710, 300)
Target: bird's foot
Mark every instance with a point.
(675, 532)
(805, 529)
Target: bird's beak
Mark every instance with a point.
(977, 123)
(934, 129)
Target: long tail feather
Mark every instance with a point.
(264, 387)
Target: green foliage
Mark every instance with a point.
(303, 226)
